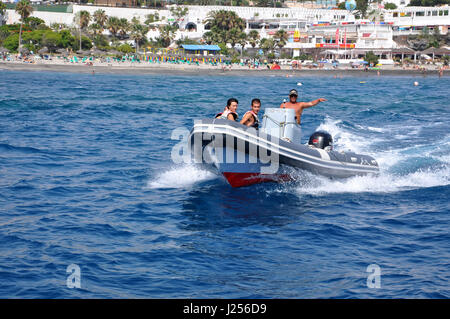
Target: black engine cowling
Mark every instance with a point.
(321, 140)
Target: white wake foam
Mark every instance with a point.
(344, 140)
(383, 183)
(180, 177)
(388, 160)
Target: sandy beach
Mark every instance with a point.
(183, 69)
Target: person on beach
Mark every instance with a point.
(250, 118)
(299, 106)
(229, 113)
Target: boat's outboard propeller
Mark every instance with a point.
(321, 140)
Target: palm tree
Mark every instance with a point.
(253, 38)
(2, 12)
(268, 45)
(167, 34)
(95, 29)
(179, 12)
(225, 20)
(281, 38)
(226, 26)
(151, 18)
(208, 37)
(124, 27)
(236, 36)
(138, 34)
(113, 25)
(24, 9)
(82, 19)
(100, 18)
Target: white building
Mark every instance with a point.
(314, 27)
(359, 34)
(416, 18)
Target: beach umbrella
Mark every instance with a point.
(63, 52)
(24, 50)
(97, 52)
(4, 50)
(83, 52)
(43, 50)
(115, 52)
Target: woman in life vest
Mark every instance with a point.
(229, 113)
(251, 117)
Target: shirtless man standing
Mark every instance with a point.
(299, 106)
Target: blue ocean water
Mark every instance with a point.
(86, 178)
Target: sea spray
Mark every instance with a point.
(180, 176)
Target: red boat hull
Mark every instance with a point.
(246, 179)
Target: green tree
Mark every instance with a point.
(113, 26)
(371, 58)
(179, 12)
(235, 36)
(58, 26)
(2, 8)
(362, 6)
(427, 3)
(253, 38)
(12, 42)
(3, 35)
(390, 6)
(86, 43)
(125, 48)
(151, 18)
(281, 38)
(2, 12)
(138, 34)
(51, 40)
(223, 49)
(33, 40)
(208, 37)
(67, 39)
(34, 22)
(24, 10)
(124, 27)
(226, 27)
(166, 34)
(101, 41)
(268, 45)
(100, 18)
(82, 19)
(95, 29)
(435, 38)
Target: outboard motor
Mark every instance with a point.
(321, 140)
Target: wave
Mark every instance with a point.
(181, 176)
(383, 183)
(403, 168)
(414, 166)
(23, 149)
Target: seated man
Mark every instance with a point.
(251, 117)
(299, 106)
(229, 113)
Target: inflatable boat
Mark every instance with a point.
(245, 155)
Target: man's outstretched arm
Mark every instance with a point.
(312, 103)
